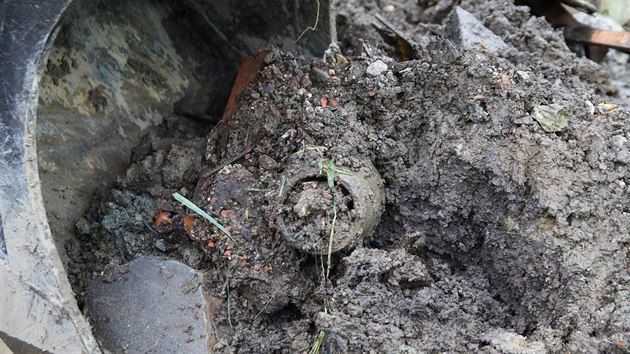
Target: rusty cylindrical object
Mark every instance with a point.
(317, 215)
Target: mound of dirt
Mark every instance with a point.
(507, 205)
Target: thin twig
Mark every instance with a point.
(230, 160)
(317, 346)
(264, 307)
(229, 304)
(284, 181)
(330, 240)
(310, 28)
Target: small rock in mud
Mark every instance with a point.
(552, 118)
(150, 296)
(376, 68)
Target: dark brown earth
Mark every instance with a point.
(498, 236)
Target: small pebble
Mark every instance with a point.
(552, 118)
(623, 157)
(267, 163)
(159, 244)
(590, 107)
(84, 226)
(524, 75)
(341, 60)
(319, 75)
(619, 141)
(376, 68)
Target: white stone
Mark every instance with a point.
(619, 141)
(376, 68)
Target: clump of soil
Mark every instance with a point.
(497, 235)
(308, 211)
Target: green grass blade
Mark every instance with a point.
(284, 181)
(330, 239)
(317, 345)
(180, 198)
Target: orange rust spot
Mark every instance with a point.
(246, 73)
(163, 218)
(506, 83)
(403, 49)
(189, 223)
(227, 213)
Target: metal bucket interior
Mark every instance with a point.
(94, 77)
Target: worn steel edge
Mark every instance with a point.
(37, 306)
(38, 312)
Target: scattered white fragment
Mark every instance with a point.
(552, 118)
(376, 68)
(590, 107)
(623, 157)
(619, 141)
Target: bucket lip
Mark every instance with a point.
(362, 183)
(353, 235)
(31, 267)
(29, 263)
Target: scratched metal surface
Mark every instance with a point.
(254, 24)
(35, 297)
(36, 303)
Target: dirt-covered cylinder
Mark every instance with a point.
(325, 208)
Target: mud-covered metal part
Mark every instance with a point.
(406, 48)
(37, 306)
(115, 69)
(598, 37)
(362, 188)
(82, 81)
(539, 7)
(254, 24)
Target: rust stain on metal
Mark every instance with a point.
(246, 73)
(588, 35)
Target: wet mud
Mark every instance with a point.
(500, 229)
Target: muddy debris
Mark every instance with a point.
(325, 209)
(170, 293)
(500, 227)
